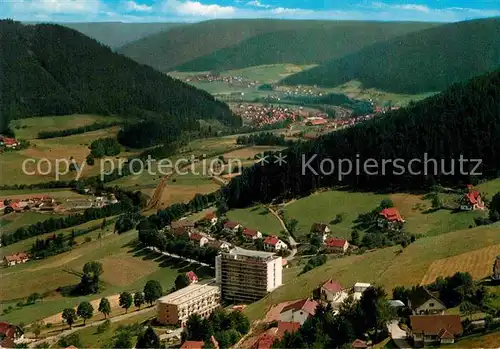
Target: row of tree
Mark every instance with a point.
(264, 138)
(105, 147)
(77, 130)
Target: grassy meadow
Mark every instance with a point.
(388, 267)
(126, 268)
(258, 218)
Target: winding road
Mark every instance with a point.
(291, 240)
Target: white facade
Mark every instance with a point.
(274, 273)
(359, 288)
(291, 315)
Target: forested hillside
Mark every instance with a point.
(425, 61)
(52, 70)
(302, 46)
(462, 122)
(117, 34)
(166, 51)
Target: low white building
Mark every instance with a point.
(359, 288)
(273, 243)
(299, 311)
(333, 293)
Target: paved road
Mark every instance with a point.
(154, 249)
(398, 335)
(291, 240)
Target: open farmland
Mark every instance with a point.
(28, 128)
(478, 263)
(322, 207)
(258, 218)
(126, 268)
(387, 267)
(267, 73)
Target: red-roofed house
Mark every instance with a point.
(16, 258)
(336, 245)
(211, 217)
(359, 344)
(251, 234)
(299, 311)
(192, 345)
(192, 277)
(472, 200)
(273, 243)
(333, 292)
(234, 226)
(431, 329)
(284, 326)
(10, 335)
(199, 239)
(266, 340)
(390, 218)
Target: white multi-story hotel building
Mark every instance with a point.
(246, 276)
(198, 298)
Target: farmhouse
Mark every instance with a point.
(421, 301)
(198, 239)
(219, 245)
(320, 230)
(17, 258)
(182, 227)
(335, 245)
(472, 200)
(391, 219)
(272, 243)
(299, 311)
(232, 226)
(435, 329)
(333, 293)
(192, 277)
(8, 142)
(210, 217)
(251, 234)
(496, 269)
(10, 335)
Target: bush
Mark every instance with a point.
(88, 239)
(104, 326)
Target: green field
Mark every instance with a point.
(125, 269)
(28, 128)
(323, 207)
(385, 267)
(258, 218)
(267, 73)
(14, 221)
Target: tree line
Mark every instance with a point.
(264, 138)
(465, 118)
(77, 130)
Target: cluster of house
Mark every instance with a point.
(16, 258)
(236, 81)
(265, 115)
(271, 243)
(92, 202)
(38, 203)
(330, 244)
(10, 335)
(292, 316)
(6, 142)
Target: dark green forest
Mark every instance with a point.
(463, 121)
(425, 61)
(301, 45)
(53, 70)
(286, 39)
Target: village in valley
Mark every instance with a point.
(181, 185)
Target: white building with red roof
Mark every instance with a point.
(472, 200)
(234, 226)
(192, 277)
(198, 239)
(333, 292)
(273, 243)
(251, 234)
(211, 217)
(336, 245)
(390, 218)
(299, 311)
(16, 258)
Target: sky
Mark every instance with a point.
(199, 10)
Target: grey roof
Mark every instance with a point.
(396, 303)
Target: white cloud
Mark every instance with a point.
(257, 3)
(413, 7)
(197, 9)
(57, 6)
(133, 6)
